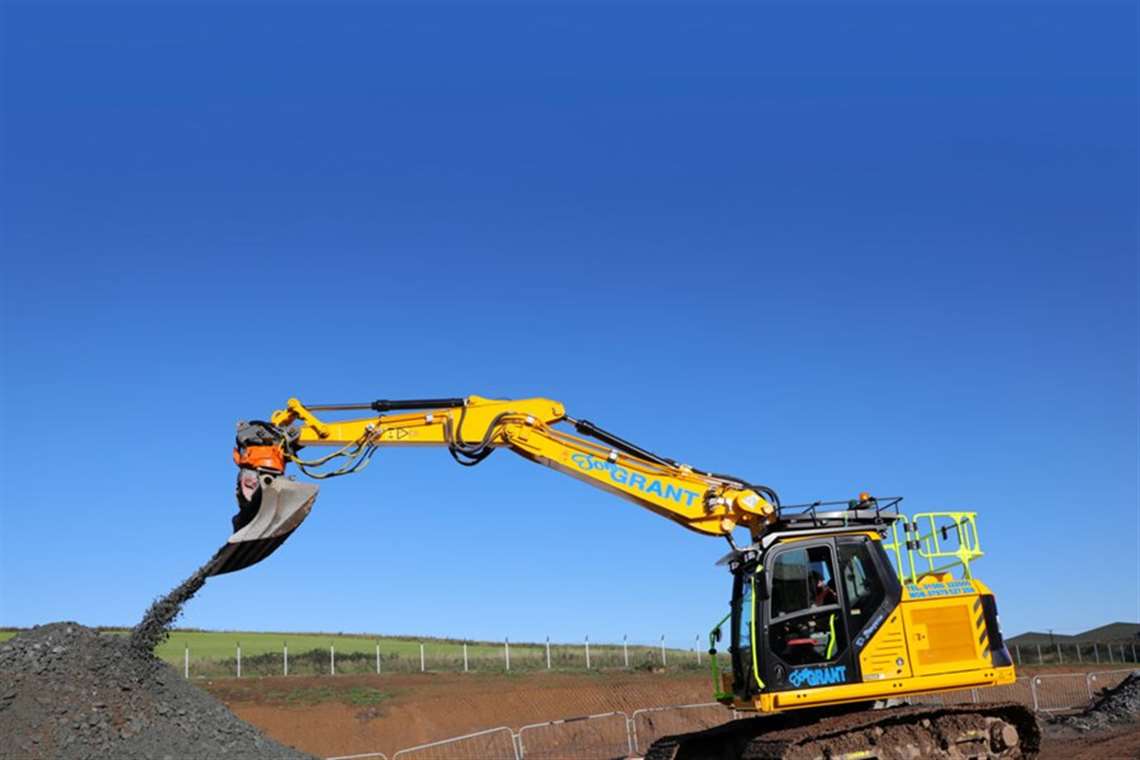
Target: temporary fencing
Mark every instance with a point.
(602, 735)
(616, 734)
(649, 724)
(492, 744)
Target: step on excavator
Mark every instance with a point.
(843, 614)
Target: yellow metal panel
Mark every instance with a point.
(881, 657)
(868, 690)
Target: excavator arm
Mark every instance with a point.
(271, 506)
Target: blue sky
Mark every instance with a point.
(832, 249)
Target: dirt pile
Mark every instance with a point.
(1120, 704)
(67, 692)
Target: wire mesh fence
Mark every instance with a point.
(1059, 691)
(1019, 691)
(1106, 679)
(591, 736)
(348, 656)
(1083, 653)
(651, 723)
(492, 744)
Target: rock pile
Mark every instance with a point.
(1112, 707)
(68, 692)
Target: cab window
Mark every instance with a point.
(806, 623)
(862, 585)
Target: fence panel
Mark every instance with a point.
(593, 736)
(1107, 679)
(945, 698)
(651, 723)
(492, 744)
(1060, 691)
(1019, 691)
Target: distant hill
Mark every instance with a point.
(1113, 633)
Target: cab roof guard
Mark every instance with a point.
(880, 512)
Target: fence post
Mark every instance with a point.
(625, 649)
(548, 653)
(423, 660)
(285, 659)
(464, 656)
(1039, 660)
(332, 659)
(377, 659)
(1133, 653)
(1109, 648)
(1017, 651)
(1079, 656)
(1089, 678)
(507, 651)
(662, 650)
(239, 659)
(1096, 651)
(1060, 659)
(697, 648)
(587, 653)
(1033, 689)
(186, 663)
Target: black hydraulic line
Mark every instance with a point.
(388, 405)
(585, 427)
(336, 407)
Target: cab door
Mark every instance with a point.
(805, 628)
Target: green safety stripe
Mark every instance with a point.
(831, 643)
(752, 625)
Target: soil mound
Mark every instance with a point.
(1120, 704)
(68, 692)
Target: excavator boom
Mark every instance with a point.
(271, 506)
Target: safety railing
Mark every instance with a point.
(950, 543)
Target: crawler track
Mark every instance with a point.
(1004, 731)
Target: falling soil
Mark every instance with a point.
(1112, 708)
(69, 692)
(155, 625)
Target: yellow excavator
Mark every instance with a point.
(841, 612)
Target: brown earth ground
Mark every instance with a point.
(345, 715)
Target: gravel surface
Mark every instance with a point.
(68, 692)
(1112, 707)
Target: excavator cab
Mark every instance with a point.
(830, 605)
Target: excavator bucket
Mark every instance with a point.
(281, 505)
